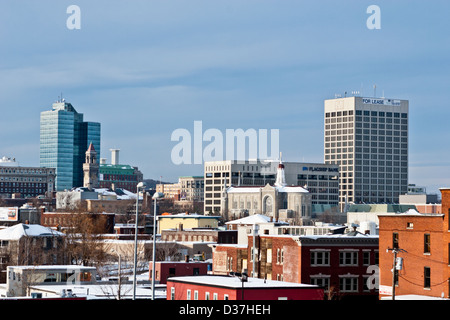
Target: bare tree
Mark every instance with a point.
(84, 240)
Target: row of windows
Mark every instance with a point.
(346, 283)
(37, 171)
(215, 295)
(346, 258)
(367, 113)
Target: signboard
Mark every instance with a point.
(9, 213)
(386, 290)
(383, 102)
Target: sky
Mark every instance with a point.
(144, 69)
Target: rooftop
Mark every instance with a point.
(31, 230)
(235, 282)
(187, 216)
(255, 219)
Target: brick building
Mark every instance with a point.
(166, 269)
(232, 288)
(339, 263)
(62, 220)
(422, 244)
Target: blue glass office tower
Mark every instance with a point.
(64, 139)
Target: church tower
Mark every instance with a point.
(281, 179)
(91, 169)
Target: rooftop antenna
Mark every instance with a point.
(374, 90)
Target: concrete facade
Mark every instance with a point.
(368, 139)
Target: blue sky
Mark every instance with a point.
(146, 68)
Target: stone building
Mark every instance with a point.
(281, 202)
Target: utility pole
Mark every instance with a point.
(395, 268)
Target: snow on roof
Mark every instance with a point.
(32, 230)
(235, 282)
(122, 194)
(411, 212)
(256, 189)
(53, 267)
(186, 215)
(253, 219)
(292, 189)
(243, 189)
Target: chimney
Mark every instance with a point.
(114, 156)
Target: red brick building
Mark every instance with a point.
(232, 288)
(166, 269)
(338, 263)
(422, 242)
(63, 220)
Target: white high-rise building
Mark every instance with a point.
(368, 139)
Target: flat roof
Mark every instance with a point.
(54, 267)
(235, 282)
(187, 216)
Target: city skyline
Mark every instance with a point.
(148, 68)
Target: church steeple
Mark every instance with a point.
(281, 179)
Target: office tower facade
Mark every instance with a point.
(368, 139)
(321, 180)
(64, 139)
(29, 182)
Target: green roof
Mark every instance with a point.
(116, 168)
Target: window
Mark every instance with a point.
(172, 293)
(195, 295)
(348, 258)
(395, 240)
(348, 284)
(409, 225)
(269, 255)
(206, 295)
(321, 281)
(426, 243)
(188, 294)
(320, 258)
(280, 256)
(426, 277)
(366, 258)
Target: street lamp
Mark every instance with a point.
(156, 196)
(140, 185)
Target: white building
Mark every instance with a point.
(281, 202)
(320, 179)
(368, 139)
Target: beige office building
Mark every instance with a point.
(368, 139)
(191, 188)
